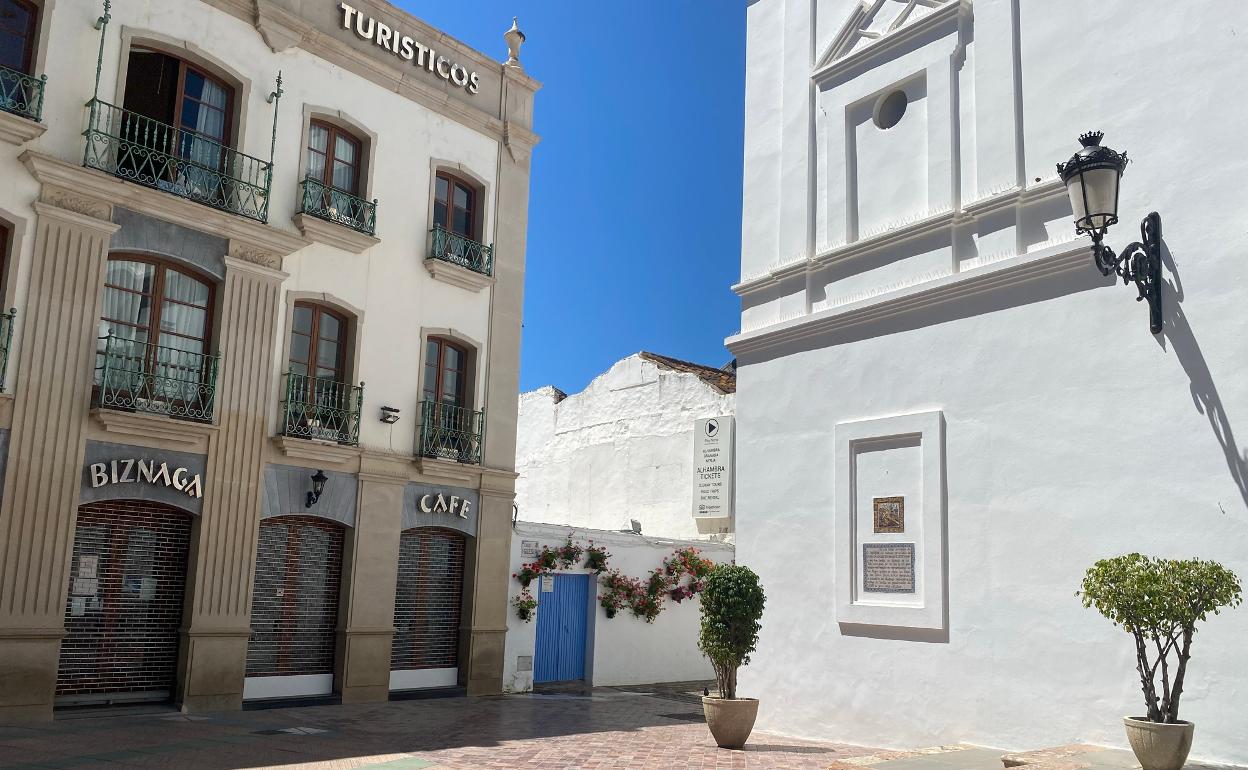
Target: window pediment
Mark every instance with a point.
(874, 20)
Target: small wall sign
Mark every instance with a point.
(548, 583)
(889, 515)
(529, 549)
(131, 471)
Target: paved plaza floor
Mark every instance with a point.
(604, 728)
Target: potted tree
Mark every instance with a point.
(1159, 602)
(732, 603)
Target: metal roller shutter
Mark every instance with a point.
(428, 599)
(124, 606)
(294, 606)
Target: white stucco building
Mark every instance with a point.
(920, 321)
(622, 449)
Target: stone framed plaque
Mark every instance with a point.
(888, 568)
(889, 515)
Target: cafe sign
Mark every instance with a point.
(131, 471)
(408, 49)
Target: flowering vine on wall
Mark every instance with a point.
(680, 576)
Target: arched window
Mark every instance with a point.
(17, 39)
(318, 342)
(154, 338)
(446, 372)
(174, 93)
(334, 157)
(455, 205)
(151, 303)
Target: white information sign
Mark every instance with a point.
(548, 583)
(529, 549)
(712, 468)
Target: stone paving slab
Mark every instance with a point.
(603, 730)
(1086, 757)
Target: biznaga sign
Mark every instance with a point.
(147, 472)
(406, 48)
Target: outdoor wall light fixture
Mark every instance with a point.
(389, 415)
(318, 486)
(1092, 178)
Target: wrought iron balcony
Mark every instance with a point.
(6, 343)
(341, 208)
(451, 432)
(135, 376)
(465, 252)
(22, 94)
(139, 149)
(320, 408)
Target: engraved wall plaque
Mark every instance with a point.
(890, 514)
(888, 568)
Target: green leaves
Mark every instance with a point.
(1159, 597)
(732, 604)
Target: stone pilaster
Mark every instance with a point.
(213, 654)
(51, 400)
(371, 567)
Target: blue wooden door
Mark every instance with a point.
(562, 622)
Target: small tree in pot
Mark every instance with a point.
(1159, 602)
(732, 604)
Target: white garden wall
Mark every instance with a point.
(626, 650)
(621, 449)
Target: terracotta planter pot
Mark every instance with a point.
(1159, 746)
(730, 720)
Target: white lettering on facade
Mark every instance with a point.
(406, 48)
(129, 471)
(437, 503)
(424, 504)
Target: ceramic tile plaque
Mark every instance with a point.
(888, 568)
(890, 515)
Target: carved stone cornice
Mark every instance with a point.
(256, 256)
(318, 452)
(385, 467)
(78, 203)
(280, 29)
(457, 276)
(16, 130)
(89, 184)
(338, 236)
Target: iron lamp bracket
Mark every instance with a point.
(1140, 263)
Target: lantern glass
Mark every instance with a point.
(1094, 197)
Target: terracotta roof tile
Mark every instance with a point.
(723, 379)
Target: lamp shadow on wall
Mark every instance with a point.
(1204, 392)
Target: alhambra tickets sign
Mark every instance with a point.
(130, 471)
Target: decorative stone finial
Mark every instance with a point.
(514, 38)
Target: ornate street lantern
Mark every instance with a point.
(1092, 178)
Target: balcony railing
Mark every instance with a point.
(319, 408)
(141, 377)
(139, 149)
(341, 208)
(22, 94)
(450, 432)
(465, 252)
(6, 342)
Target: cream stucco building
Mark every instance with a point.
(945, 412)
(226, 287)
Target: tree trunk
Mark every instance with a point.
(1185, 654)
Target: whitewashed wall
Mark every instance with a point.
(626, 650)
(1072, 433)
(621, 449)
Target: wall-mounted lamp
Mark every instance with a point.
(1092, 179)
(389, 415)
(318, 486)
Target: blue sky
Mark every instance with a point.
(634, 220)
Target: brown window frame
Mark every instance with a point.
(327, 175)
(158, 299)
(340, 365)
(474, 210)
(31, 36)
(179, 103)
(464, 396)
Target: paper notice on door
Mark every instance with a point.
(548, 583)
(86, 586)
(88, 563)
